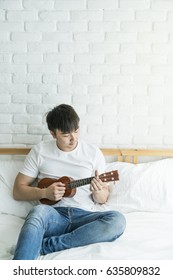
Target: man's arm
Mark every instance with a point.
(100, 190)
(23, 190)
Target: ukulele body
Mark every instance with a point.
(46, 182)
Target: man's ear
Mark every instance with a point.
(52, 133)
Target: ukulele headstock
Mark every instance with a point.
(109, 176)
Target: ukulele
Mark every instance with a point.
(71, 184)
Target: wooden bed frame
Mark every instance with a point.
(123, 155)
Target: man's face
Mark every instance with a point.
(66, 141)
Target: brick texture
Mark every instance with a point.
(110, 59)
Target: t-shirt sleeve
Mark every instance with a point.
(30, 166)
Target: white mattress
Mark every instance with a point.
(147, 236)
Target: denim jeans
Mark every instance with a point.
(47, 229)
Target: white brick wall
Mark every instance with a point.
(110, 59)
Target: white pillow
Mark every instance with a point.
(142, 187)
(8, 172)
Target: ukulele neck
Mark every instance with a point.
(79, 183)
(105, 177)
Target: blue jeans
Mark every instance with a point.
(47, 229)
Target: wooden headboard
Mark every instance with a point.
(124, 155)
(132, 155)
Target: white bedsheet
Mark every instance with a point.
(147, 236)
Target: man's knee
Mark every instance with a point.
(117, 224)
(38, 213)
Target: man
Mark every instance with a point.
(70, 221)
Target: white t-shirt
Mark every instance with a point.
(46, 160)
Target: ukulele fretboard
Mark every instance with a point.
(79, 183)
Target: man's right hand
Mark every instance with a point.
(54, 192)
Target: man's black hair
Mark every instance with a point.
(64, 118)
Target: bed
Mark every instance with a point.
(144, 193)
